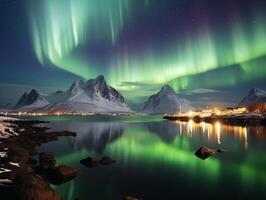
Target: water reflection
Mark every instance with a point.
(165, 150)
(166, 130)
(217, 131)
(96, 136)
(93, 136)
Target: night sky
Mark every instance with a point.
(137, 45)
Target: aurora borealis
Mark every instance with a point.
(141, 45)
(60, 27)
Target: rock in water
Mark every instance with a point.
(130, 198)
(60, 174)
(107, 160)
(220, 150)
(90, 162)
(55, 174)
(205, 152)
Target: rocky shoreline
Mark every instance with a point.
(24, 177)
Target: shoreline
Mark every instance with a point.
(234, 120)
(21, 175)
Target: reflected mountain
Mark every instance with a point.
(166, 130)
(92, 135)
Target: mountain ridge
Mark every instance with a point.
(255, 95)
(166, 101)
(94, 95)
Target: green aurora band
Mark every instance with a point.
(59, 27)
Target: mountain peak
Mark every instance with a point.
(254, 96)
(76, 86)
(93, 92)
(100, 81)
(256, 91)
(166, 101)
(166, 89)
(34, 92)
(78, 82)
(93, 95)
(100, 78)
(33, 97)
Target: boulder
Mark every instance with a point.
(60, 174)
(47, 160)
(220, 150)
(205, 152)
(90, 162)
(107, 160)
(130, 198)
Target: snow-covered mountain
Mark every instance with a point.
(166, 101)
(31, 101)
(254, 96)
(91, 96)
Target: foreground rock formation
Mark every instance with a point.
(21, 176)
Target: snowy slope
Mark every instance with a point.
(166, 101)
(6, 129)
(31, 101)
(254, 96)
(83, 97)
(91, 96)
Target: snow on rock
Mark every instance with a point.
(31, 101)
(6, 129)
(91, 96)
(7, 118)
(14, 164)
(5, 182)
(254, 96)
(4, 170)
(166, 101)
(3, 154)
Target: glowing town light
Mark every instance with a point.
(218, 127)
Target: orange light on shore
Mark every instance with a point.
(215, 111)
(58, 113)
(190, 113)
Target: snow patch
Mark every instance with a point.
(3, 154)
(14, 164)
(4, 170)
(6, 130)
(5, 182)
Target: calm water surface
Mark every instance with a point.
(155, 159)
